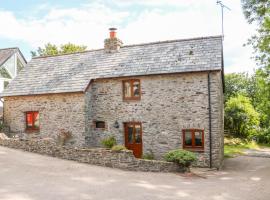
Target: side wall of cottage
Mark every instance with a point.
(169, 103)
(56, 112)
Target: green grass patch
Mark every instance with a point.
(235, 146)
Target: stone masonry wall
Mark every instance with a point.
(169, 103)
(217, 108)
(56, 112)
(102, 157)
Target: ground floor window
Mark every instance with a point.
(99, 124)
(193, 139)
(32, 120)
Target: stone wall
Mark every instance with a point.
(169, 103)
(217, 108)
(102, 157)
(56, 112)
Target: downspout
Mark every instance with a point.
(210, 120)
(1, 99)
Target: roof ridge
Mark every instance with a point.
(132, 45)
(9, 48)
(176, 40)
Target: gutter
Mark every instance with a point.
(210, 120)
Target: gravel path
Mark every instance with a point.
(28, 176)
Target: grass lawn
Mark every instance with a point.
(235, 146)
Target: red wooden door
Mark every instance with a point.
(133, 138)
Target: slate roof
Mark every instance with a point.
(73, 72)
(5, 54)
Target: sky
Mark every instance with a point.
(28, 24)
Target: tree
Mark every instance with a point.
(241, 119)
(51, 49)
(239, 83)
(262, 97)
(258, 11)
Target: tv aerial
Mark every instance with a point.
(222, 6)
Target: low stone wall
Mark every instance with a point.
(97, 156)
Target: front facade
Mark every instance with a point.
(171, 98)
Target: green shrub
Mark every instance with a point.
(148, 156)
(109, 142)
(241, 119)
(118, 148)
(262, 136)
(182, 157)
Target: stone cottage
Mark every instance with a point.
(152, 97)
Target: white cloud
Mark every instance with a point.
(88, 25)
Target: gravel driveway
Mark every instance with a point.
(28, 176)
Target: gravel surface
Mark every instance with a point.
(28, 176)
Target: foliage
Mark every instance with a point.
(51, 49)
(181, 157)
(118, 148)
(263, 136)
(236, 146)
(109, 142)
(262, 96)
(148, 156)
(241, 119)
(239, 83)
(1, 125)
(258, 11)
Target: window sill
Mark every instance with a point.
(100, 129)
(32, 131)
(135, 99)
(199, 150)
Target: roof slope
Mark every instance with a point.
(72, 72)
(6, 53)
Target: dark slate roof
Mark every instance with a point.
(73, 72)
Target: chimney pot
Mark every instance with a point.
(112, 32)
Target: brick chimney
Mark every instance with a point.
(112, 44)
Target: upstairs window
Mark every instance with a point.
(193, 139)
(131, 89)
(32, 120)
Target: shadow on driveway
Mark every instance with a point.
(28, 176)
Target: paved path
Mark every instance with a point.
(263, 152)
(28, 176)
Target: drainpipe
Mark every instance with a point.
(210, 120)
(1, 99)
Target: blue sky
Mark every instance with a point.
(28, 24)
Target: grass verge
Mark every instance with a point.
(235, 146)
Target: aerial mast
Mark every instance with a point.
(222, 6)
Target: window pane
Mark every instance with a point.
(29, 119)
(130, 134)
(127, 89)
(138, 134)
(136, 88)
(188, 138)
(198, 138)
(36, 119)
